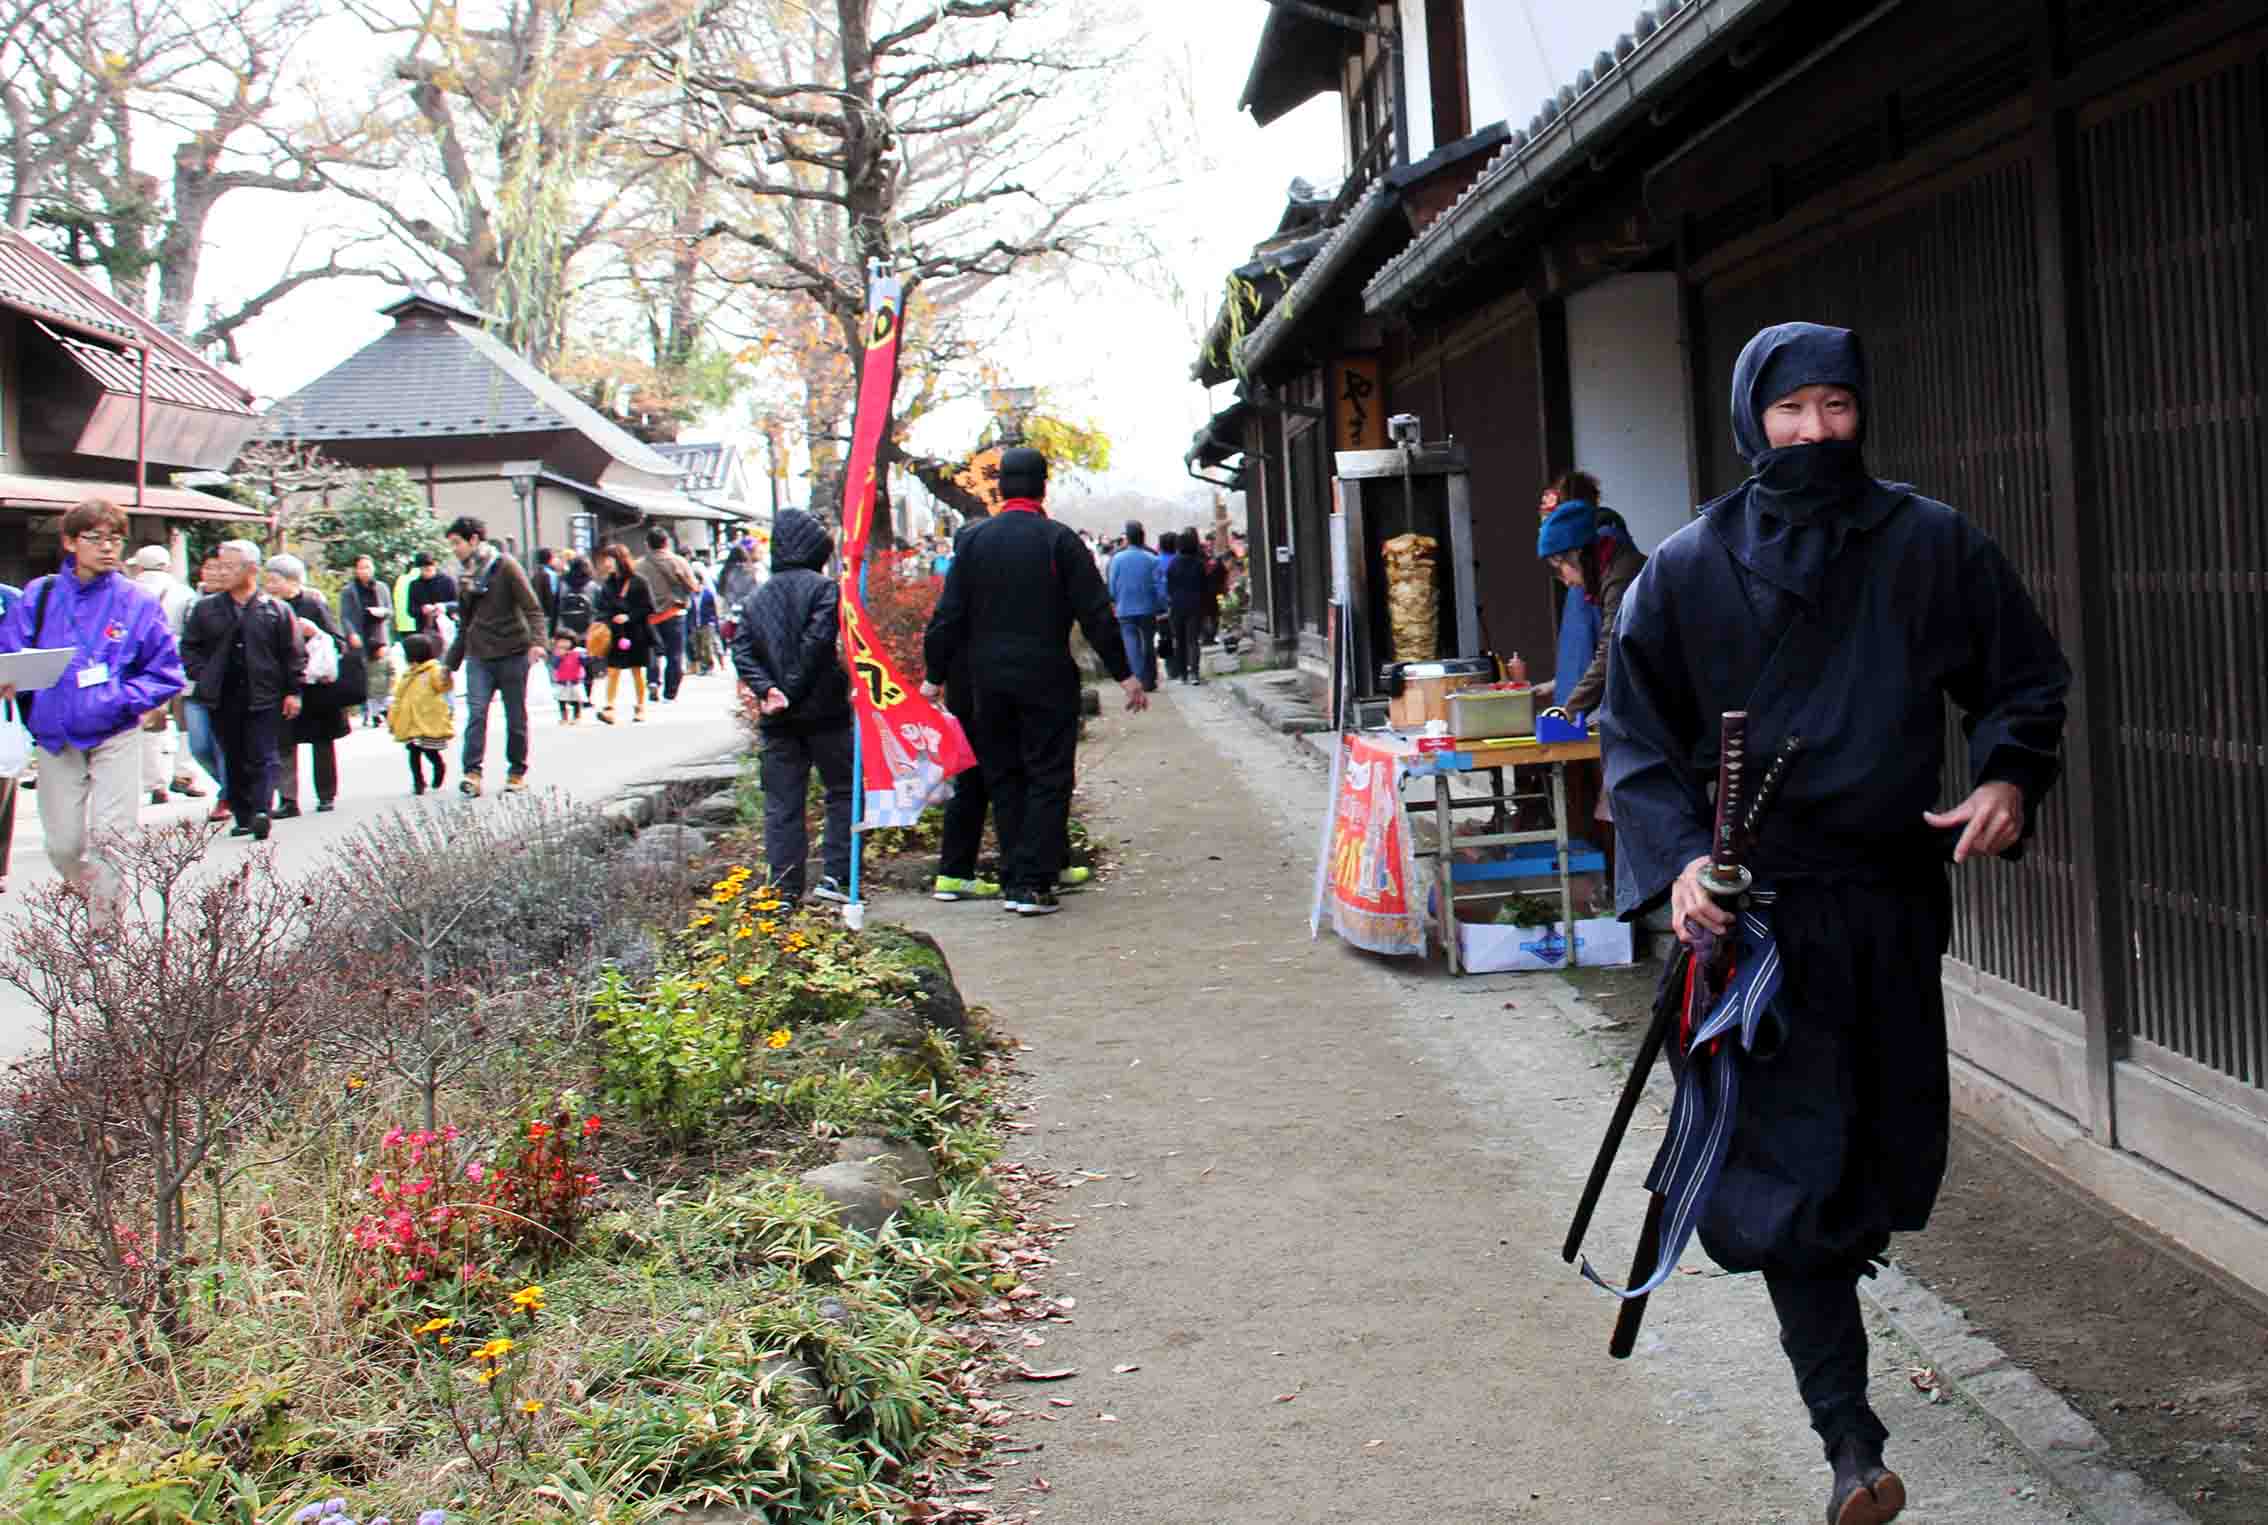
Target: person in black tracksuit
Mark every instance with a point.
(1017, 583)
(785, 649)
(1185, 604)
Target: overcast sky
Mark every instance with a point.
(1110, 346)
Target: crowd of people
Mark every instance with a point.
(234, 677)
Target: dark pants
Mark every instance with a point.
(1825, 1339)
(485, 678)
(786, 773)
(963, 835)
(247, 740)
(665, 657)
(1188, 644)
(324, 760)
(1027, 745)
(1141, 636)
(421, 761)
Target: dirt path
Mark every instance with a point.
(1319, 1204)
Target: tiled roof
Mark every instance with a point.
(1665, 45)
(707, 465)
(440, 378)
(36, 282)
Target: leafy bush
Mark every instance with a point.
(669, 1055)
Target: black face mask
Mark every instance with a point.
(1798, 483)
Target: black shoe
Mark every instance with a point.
(323, 806)
(286, 811)
(240, 831)
(260, 827)
(1037, 900)
(1864, 1491)
(418, 787)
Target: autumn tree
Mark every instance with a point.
(943, 142)
(91, 87)
(508, 172)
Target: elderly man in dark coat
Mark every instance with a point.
(1844, 610)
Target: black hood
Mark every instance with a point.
(800, 540)
(1802, 501)
(1783, 358)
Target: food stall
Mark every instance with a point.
(1432, 732)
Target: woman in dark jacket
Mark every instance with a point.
(326, 709)
(1186, 581)
(1589, 548)
(625, 607)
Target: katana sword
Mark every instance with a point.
(1726, 878)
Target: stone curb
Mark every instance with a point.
(2056, 1437)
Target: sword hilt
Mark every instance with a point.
(1732, 762)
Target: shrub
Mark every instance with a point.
(898, 607)
(669, 1056)
(175, 1019)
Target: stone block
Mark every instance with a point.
(863, 1194)
(905, 1163)
(666, 848)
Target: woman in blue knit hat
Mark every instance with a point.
(1589, 548)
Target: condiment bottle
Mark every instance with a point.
(1515, 670)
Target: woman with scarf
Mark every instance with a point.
(1843, 610)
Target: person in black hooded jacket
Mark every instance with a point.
(785, 648)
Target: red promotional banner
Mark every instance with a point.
(908, 745)
(1368, 883)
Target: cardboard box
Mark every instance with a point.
(1486, 948)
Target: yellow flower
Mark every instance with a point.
(767, 927)
(446, 1341)
(744, 981)
(485, 1375)
(739, 933)
(778, 1037)
(530, 1406)
(355, 1082)
(495, 1350)
(767, 902)
(528, 1299)
(434, 1325)
(702, 921)
(795, 942)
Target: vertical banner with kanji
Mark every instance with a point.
(908, 746)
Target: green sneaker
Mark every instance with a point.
(964, 889)
(1074, 878)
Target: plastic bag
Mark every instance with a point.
(15, 741)
(322, 656)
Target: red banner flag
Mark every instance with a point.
(909, 746)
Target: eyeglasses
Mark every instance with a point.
(97, 538)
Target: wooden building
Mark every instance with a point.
(487, 434)
(2049, 222)
(1305, 360)
(96, 401)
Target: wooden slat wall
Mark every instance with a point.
(1942, 287)
(2176, 204)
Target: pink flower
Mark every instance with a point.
(449, 1134)
(474, 1171)
(392, 1140)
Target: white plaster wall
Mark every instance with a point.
(1626, 363)
(1417, 77)
(1503, 76)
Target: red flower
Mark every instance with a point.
(590, 1127)
(538, 1130)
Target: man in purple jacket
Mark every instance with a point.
(123, 666)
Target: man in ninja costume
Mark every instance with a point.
(1836, 608)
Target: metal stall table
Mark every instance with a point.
(1493, 758)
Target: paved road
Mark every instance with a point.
(582, 761)
(1319, 1198)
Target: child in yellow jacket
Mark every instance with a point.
(420, 717)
